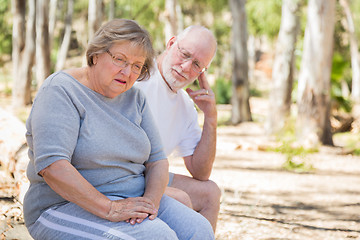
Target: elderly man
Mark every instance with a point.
(185, 59)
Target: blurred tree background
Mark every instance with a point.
(69, 24)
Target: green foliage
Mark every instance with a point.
(80, 8)
(296, 157)
(5, 28)
(350, 140)
(264, 17)
(301, 167)
(290, 151)
(340, 72)
(147, 14)
(5, 79)
(221, 30)
(256, 92)
(216, 7)
(355, 7)
(222, 90)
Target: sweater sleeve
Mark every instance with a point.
(54, 126)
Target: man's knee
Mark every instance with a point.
(179, 195)
(202, 193)
(213, 192)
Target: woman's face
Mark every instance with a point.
(116, 70)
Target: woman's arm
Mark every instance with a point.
(156, 178)
(65, 180)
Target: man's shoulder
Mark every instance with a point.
(151, 83)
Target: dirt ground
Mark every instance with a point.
(260, 200)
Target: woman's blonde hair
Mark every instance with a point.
(118, 31)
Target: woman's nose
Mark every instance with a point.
(126, 70)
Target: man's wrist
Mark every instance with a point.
(211, 121)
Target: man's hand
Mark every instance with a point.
(204, 98)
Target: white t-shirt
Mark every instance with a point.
(175, 115)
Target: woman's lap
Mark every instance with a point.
(69, 221)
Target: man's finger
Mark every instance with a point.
(203, 83)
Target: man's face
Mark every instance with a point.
(185, 59)
(174, 75)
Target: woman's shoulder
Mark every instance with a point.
(57, 79)
(60, 83)
(63, 79)
(135, 92)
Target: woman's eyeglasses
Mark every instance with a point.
(121, 61)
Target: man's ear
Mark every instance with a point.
(170, 42)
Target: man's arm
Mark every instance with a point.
(201, 162)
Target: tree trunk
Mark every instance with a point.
(18, 8)
(313, 122)
(24, 59)
(170, 19)
(180, 17)
(111, 9)
(42, 41)
(52, 20)
(67, 37)
(355, 64)
(240, 82)
(95, 17)
(283, 69)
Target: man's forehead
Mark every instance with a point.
(200, 46)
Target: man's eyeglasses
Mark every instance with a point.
(121, 61)
(186, 56)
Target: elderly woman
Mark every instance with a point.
(97, 168)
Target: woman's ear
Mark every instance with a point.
(95, 58)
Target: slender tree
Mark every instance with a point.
(52, 20)
(283, 69)
(313, 121)
(42, 41)
(18, 8)
(240, 82)
(111, 9)
(61, 58)
(95, 13)
(23, 52)
(171, 27)
(354, 50)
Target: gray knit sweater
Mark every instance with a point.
(106, 140)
